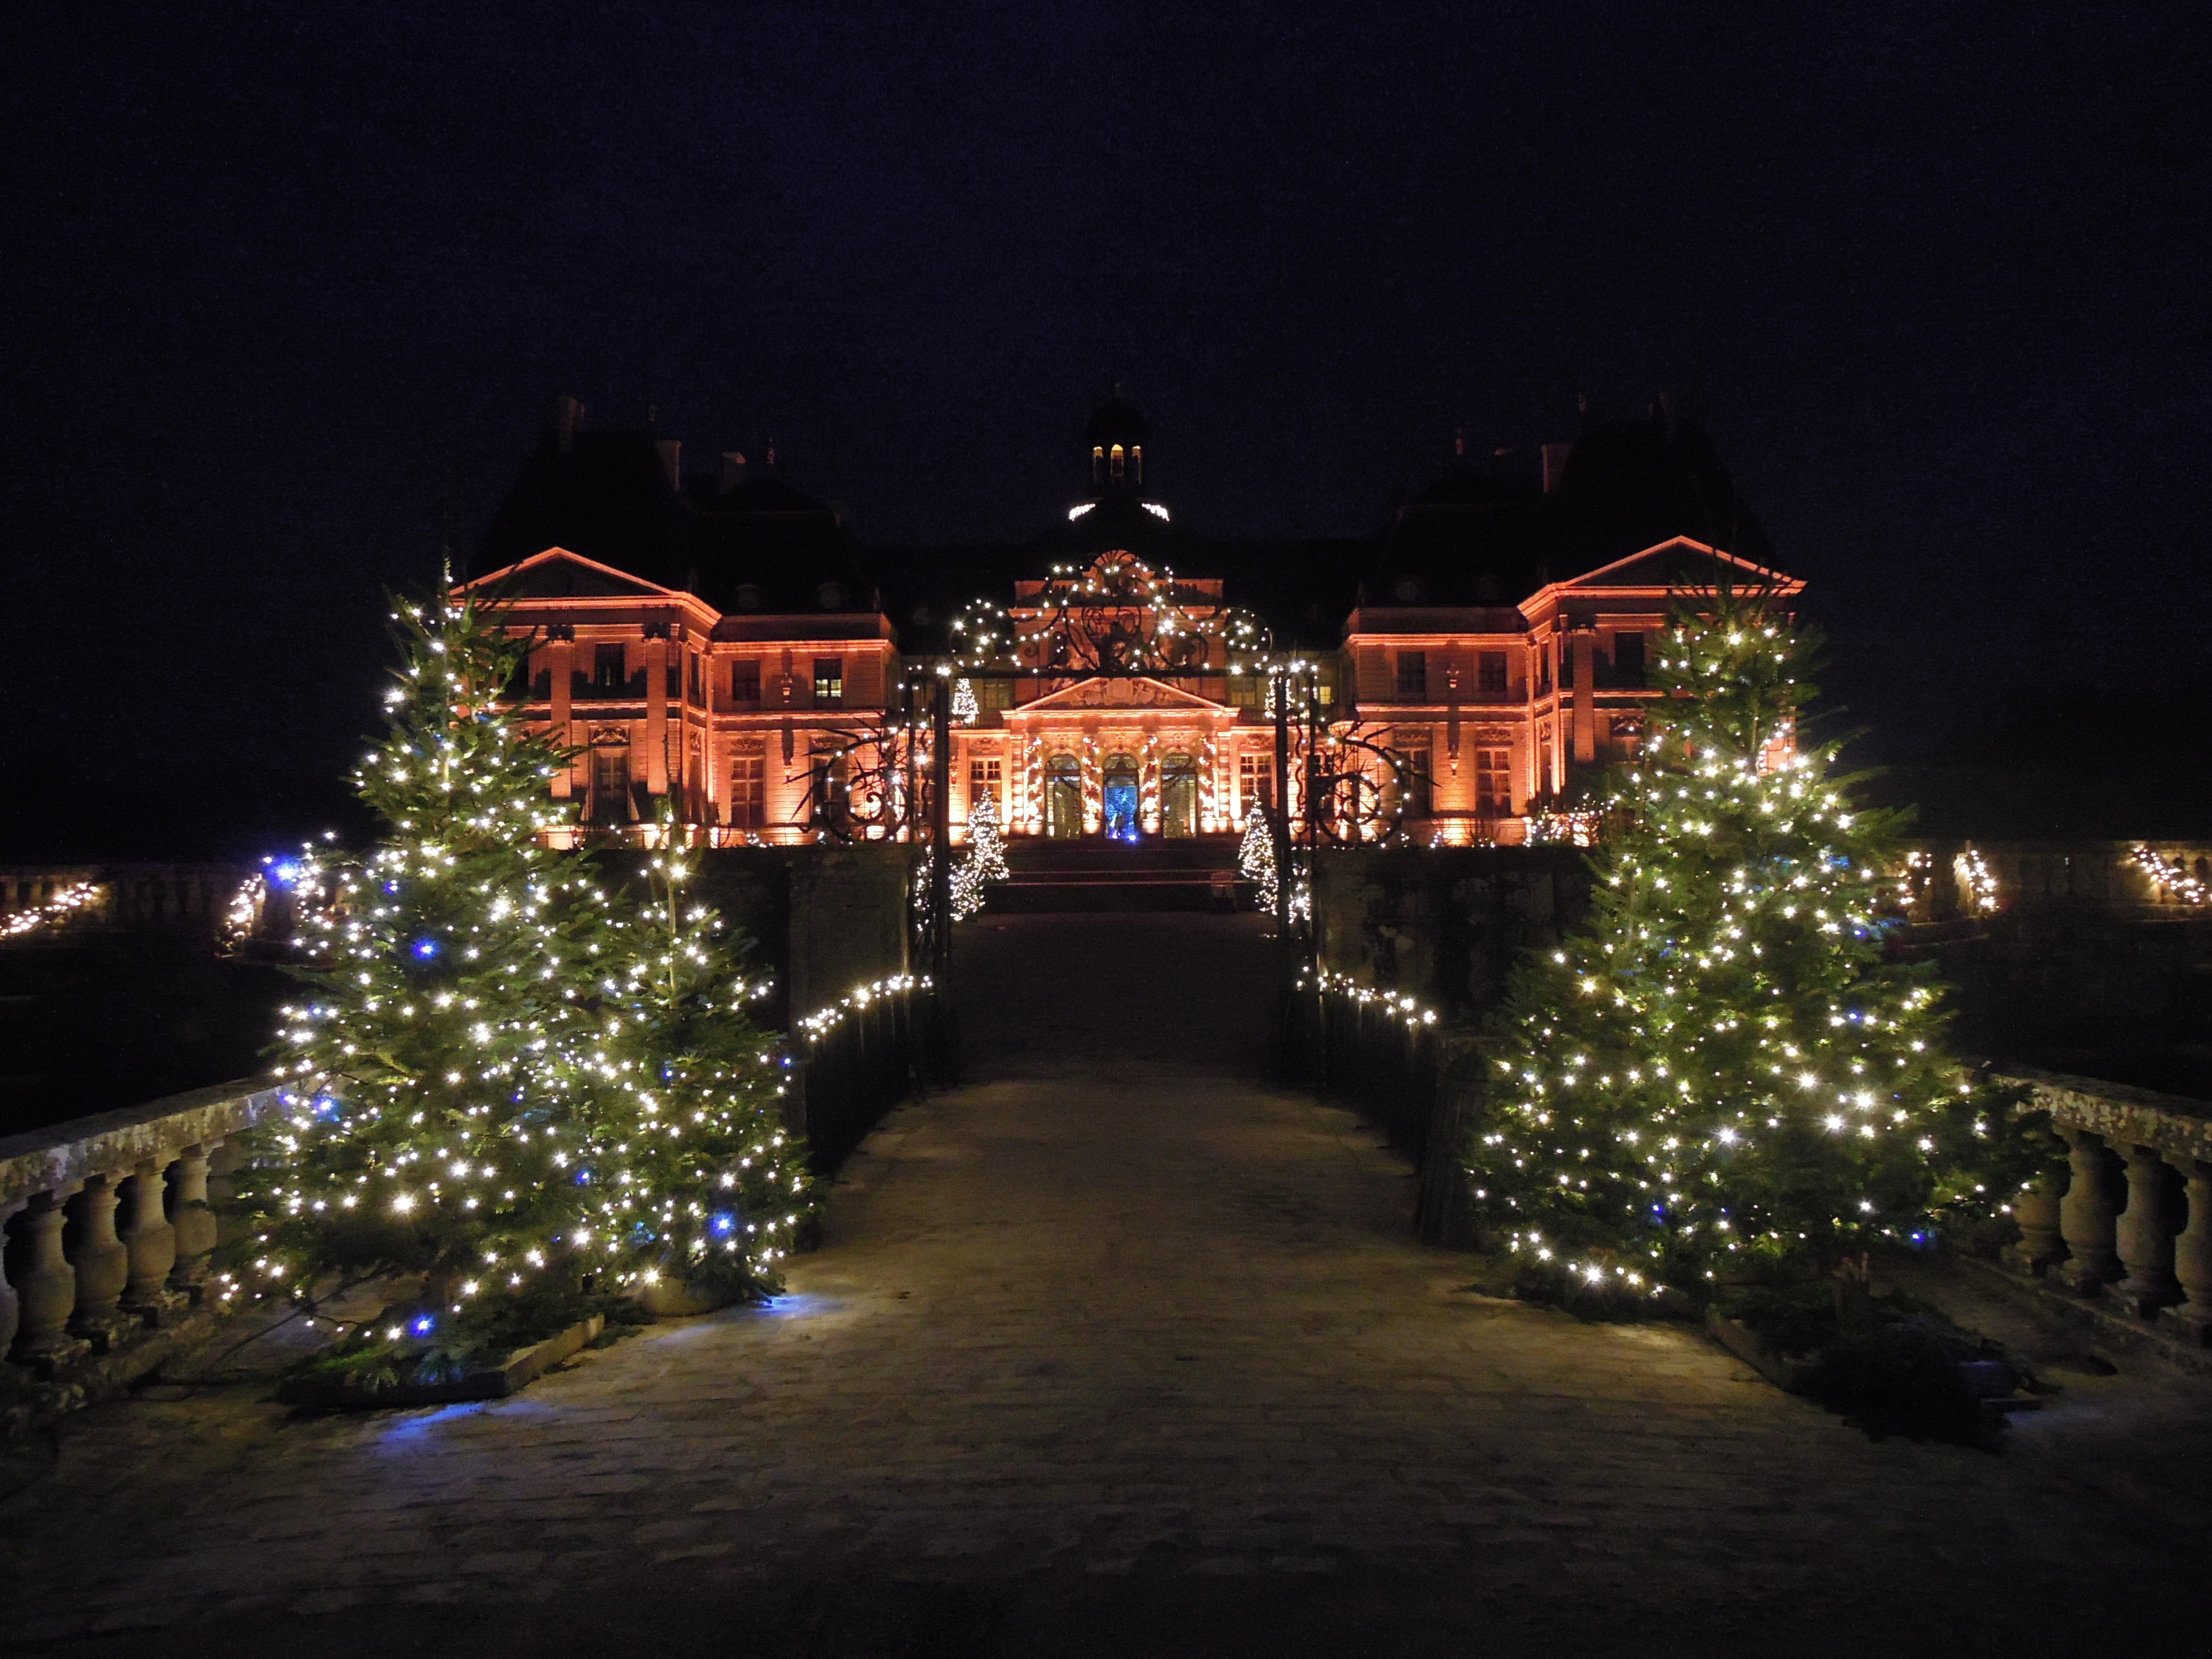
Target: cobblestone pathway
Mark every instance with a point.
(1110, 1352)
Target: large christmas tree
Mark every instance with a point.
(513, 1082)
(1722, 1078)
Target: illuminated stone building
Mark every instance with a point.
(727, 657)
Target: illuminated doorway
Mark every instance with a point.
(1063, 796)
(1178, 795)
(1121, 795)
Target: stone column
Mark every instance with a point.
(2192, 1251)
(1583, 642)
(194, 1220)
(47, 1289)
(102, 1263)
(559, 652)
(2086, 1214)
(151, 1245)
(656, 708)
(2145, 1233)
(2041, 1245)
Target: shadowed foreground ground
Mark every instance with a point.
(1114, 1351)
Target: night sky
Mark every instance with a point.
(287, 286)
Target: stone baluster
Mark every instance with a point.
(2145, 1234)
(193, 1219)
(2192, 1251)
(10, 1312)
(102, 1262)
(45, 1289)
(150, 1243)
(2041, 1245)
(2086, 1213)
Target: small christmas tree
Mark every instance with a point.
(507, 1081)
(1721, 1077)
(1255, 858)
(984, 861)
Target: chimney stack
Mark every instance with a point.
(671, 460)
(562, 419)
(1555, 464)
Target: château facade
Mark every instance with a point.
(729, 660)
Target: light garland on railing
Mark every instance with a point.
(816, 1025)
(2174, 878)
(72, 900)
(1406, 1009)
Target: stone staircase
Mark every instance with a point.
(1198, 872)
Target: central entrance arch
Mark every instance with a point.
(1122, 795)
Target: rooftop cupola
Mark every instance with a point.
(1116, 438)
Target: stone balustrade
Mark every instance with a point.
(2131, 1222)
(108, 1225)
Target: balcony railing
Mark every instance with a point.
(110, 1226)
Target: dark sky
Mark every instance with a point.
(279, 279)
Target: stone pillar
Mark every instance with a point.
(2192, 1251)
(151, 1245)
(656, 708)
(194, 1220)
(1583, 642)
(560, 655)
(45, 1289)
(2145, 1233)
(2041, 1245)
(10, 1310)
(2086, 1214)
(102, 1263)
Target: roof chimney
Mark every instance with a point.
(1555, 464)
(562, 417)
(734, 468)
(671, 460)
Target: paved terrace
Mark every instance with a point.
(1114, 1350)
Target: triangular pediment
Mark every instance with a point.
(1118, 691)
(557, 574)
(1681, 562)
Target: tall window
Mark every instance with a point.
(607, 677)
(1493, 782)
(1413, 676)
(985, 777)
(1419, 761)
(745, 682)
(1255, 783)
(610, 802)
(697, 696)
(829, 679)
(1628, 659)
(748, 791)
(1490, 672)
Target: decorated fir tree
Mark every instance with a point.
(1255, 859)
(1721, 1078)
(984, 861)
(511, 1083)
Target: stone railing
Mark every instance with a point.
(2131, 1221)
(79, 1287)
(182, 896)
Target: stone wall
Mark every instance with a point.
(1443, 924)
(822, 920)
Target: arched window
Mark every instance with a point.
(1178, 795)
(1119, 460)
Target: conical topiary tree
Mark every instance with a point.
(1721, 1078)
(485, 1084)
